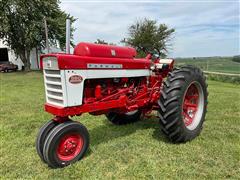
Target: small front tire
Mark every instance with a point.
(41, 136)
(66, 144)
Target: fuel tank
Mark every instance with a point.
(102, 50)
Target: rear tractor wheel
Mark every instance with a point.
(183, 104)
(126, 118)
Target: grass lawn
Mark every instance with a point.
(119, 152)
(216, 64)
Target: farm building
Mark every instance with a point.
(8, 55)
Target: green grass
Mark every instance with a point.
(216, 64)
(119, 152)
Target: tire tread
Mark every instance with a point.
(169, 104)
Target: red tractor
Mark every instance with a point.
(109, 80)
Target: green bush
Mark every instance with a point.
(236, 59)
(224, 78)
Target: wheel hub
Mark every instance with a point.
(69, 147)
(192, 105)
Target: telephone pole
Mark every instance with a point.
(46, 34)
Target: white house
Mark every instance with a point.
(6, 54)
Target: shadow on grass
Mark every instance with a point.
(108, 132)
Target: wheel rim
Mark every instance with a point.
(131, 112)
(193, 105)
(69, 147)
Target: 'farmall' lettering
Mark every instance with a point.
(104, 66)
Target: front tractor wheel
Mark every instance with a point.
(183, 104)
(42, 135)
(66, 144)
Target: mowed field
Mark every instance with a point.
(215, 64)
(136, 151)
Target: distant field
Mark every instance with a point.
(135, 151)
(215, 64)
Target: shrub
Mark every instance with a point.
(224, 78)
(236, 59)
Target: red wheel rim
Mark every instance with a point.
(190, 104)
(69, 147)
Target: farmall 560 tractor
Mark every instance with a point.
(109, 80)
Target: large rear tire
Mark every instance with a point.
(183, 104)
(127, 118)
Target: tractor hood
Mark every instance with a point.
(95, 56)
(102, 50)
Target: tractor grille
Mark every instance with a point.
(53, 87)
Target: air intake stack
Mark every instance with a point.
(68, 35)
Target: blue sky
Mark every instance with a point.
(203, 28)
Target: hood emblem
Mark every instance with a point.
(75, 79)
(113, 52)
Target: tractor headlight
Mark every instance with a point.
(50, 62)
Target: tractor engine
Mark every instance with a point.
(111, 89)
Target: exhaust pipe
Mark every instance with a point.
(68, 34)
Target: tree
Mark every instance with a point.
(146, 36)
(22, 27)
(236, 58)
(100, 41)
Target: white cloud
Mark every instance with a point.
(202, 28)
